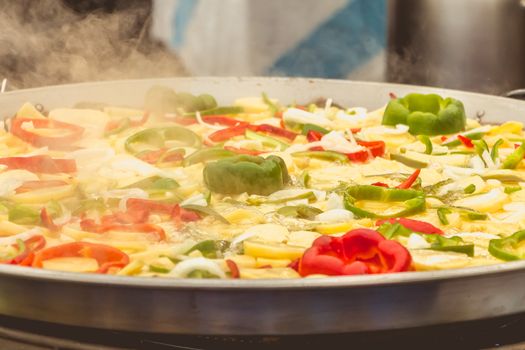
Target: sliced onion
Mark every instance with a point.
(185, 267)
(22, 236)
(416, 241)
(334, 201)
(12, 179)
(296, 115)
(207, 125)
(195, 200)
(335, 215)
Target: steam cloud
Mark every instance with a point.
(45, 42)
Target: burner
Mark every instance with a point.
(505, 333)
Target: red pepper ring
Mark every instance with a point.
(360, 251)
(106, 256)
(32, 245)
(414, 225)
(240, 129)
(377, 148)
(74, 132)
(40, 164)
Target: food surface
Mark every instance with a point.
(180, 187)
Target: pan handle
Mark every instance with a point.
(518, 94)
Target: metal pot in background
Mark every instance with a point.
(476, 45)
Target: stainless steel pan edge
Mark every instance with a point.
(306, 306)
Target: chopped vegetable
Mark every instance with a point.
(413, 201)
(250, 174)
(40, 164)
(359, 251)
(30, 130)
(509, 248)
(426, 114)
(106, 256)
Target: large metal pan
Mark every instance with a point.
(246, 307)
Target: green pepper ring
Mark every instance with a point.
(414, 201)
(499, 248)
(157, 137)
(426, 114)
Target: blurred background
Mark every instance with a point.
(476, 45)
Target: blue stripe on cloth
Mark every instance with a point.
(183, 13)
(352, 36)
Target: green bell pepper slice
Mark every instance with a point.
(413, 200)
(156, 138)
(450, 244)
(312, 127)
(469, 189)
(205, 211)
(512, 189)
(206, 155)
(266, 140)
(425, 140)
(442, 215)
(513, 159)
(469, 135)
(244, 173)
(155, 184)
(426, 114)
(210, 249)
(222, 110)
(300, 211)
(509, 248)
(413, 163)
(323, 155)
(23, 215)
(494, 153)
(271, 106)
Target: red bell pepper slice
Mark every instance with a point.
(228, 133)
(234, 269)
(380, 184)
(414, 225)
(47, 221)
(223, 120)
(372, 148)
(40, 164)
(73, 132)
(276, 131)
(29, 186)
(377, 148)
(360, 251)
(314, 136)
(239, 130)
(25, 257)
(106, 256)
(156, 231)
(153, 157)
(410, 181)
(137, 205)
(465, 141)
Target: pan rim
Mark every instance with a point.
(309, 283)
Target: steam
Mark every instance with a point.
(46, 42)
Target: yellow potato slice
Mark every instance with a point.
(272, 250)
(71, 264)
(44, 195)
